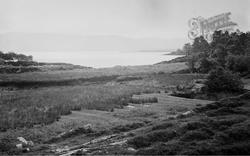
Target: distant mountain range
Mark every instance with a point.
(22, 42)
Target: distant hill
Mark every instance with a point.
(22, 42)
(177, 52)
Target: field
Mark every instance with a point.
(90, 73)
(53, 109)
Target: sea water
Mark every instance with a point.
(100, 59)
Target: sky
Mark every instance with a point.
(130, 18)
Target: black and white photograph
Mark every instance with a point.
(124, 77)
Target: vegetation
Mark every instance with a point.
(11, 56)
(41, 98)
(229, 51)
(222, 80)
(143, 100)
(43, 106)
(217, 128)
(225, 60)
(186, 49)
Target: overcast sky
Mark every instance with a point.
(133, 18)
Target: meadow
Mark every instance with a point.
(65, 101)
(26, 108)
(60, 75)
(29, 101)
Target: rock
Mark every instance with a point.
(199, 81)
(21, 139)
(119, 142)
(30, 143)
(197, 86)
(24, 145)
(185, 114)
(19, 146)
(88, 128)
(25, 142)
(132, 149)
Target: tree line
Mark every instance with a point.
(230, 51)
(11, 56)
(225, 59)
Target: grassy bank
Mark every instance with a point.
(218, 128)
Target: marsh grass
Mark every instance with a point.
(25, 108)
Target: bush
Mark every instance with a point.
(206, 65)
(222, 80)
(238, 63)
(150, 138)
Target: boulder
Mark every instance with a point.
(197, 86)
(24, 145)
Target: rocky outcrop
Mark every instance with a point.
(197, 86)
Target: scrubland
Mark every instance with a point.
(129, 106)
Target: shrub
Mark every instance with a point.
(155, 136)
(238, 63)
(222, 80)
(206, 65)
(7, 146)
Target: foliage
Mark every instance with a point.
(206, 64)
(238, 63)
(11, 56)
(201, 134)
(199, 49)
(223, 80)
(228, 50)
(26, 108)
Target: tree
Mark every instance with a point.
(200, 45)
(187, 49)
(220, 80)
(206, 65)
(228, 50)
(238, 63)
(199, 49)
(220, 54)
